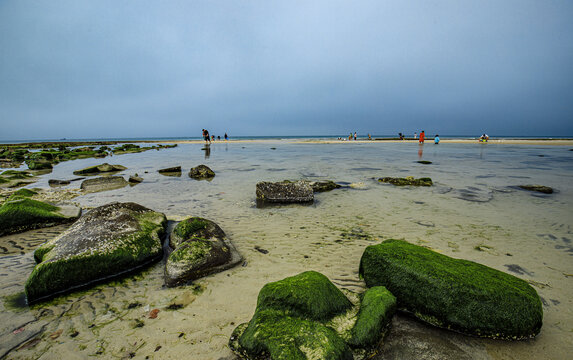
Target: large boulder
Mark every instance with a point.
(99, 169)
(201, 248)
(284, 192)
(307, 317)
(106, 242)
(451, 293)
(201, 172)
(21, 213)
(103, 183)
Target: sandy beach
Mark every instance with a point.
(472, 212)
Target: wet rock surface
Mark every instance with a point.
(201, 172)
(407, 181)
(106, 242)
(99, 169)
(284, 192)
(103, 183)
(200, 248)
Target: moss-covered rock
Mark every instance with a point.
(201, 248)
(21, 213)
(15, 178)
(307, 317)
(451, 293)
(374, 318)
(99, 169)
(201, 172)
(407, 181)
(108, 241)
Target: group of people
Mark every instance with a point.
(208, 138)
(355, 137)
(423, 138)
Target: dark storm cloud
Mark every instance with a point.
(150, 68)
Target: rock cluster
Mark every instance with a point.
(307, 317)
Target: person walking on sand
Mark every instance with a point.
(437, 139)
(422, 136)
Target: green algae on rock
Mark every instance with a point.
(456, 294)
(106, 242)
(21, 213)
(407, 181)
(374, 318)
(201, 172)
(307, 317)
(201, 248)
(99, 169)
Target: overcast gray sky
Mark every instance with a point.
(92, 69)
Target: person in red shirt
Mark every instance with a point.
(422, 135)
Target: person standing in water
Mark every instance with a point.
(437, 139)
(422, 136)
(226, 137)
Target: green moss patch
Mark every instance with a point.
(280, 336)
(107, 242)
(188, 227)
(456, 294)
(309, 294)
(376, 311)
(21, 213)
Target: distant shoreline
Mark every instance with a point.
(430, 140)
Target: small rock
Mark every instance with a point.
(538, 188)
(54, 182)
(134, 179)
(201, 172)
(153, 313)
(261, 250)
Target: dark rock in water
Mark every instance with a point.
(176, 169)
(407, 181)
(284, 192)
(201, 172)
(54, 182)
(98, 169)
(323, 185)
(452, 293)
(425, 162)
(103, 183)
(261, 250)
(106, 242)
(21, 213)
(201, 248)
(135, 179)
(307, 317)
(538, 188)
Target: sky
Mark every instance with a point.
(125, 68)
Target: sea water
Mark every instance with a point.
(474, 211)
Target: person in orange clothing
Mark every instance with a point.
(422, 135)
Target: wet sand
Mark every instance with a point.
(472, 212)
